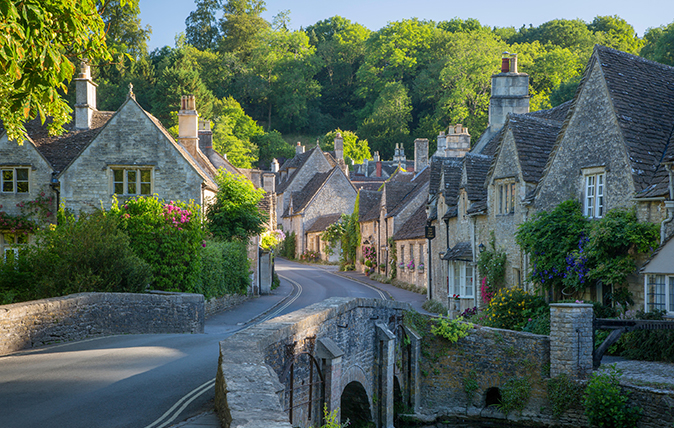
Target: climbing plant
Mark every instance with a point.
(492, 267)
(347, 232)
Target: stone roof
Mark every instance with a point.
(295, 162)
(321, 223)
(395, 192)
(461, 252)
(642, 93)
(534, 138)
(302, 198)
(368, 208)
(414, 227)
(556, 113)
(452, 211)
(420, 182)
(477, 167)
(60, 150)
(452, 170)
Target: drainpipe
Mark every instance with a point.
(55, 184)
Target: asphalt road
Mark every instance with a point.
(144, 381)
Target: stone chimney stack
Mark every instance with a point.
(339, 146)
(188, 125)
(509, 92)
(420, 154)
(366, 166)
(299, 148)
(442, 141)
(205, 135)
(375, 157)
(458, 141)
(274, 165)
(85, 97)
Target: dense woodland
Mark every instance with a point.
(263, 84)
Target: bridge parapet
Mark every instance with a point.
(343, 341)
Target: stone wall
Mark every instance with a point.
(254, 362)
(219, 304)
(58, 319)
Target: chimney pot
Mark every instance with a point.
(188, 125)
(513, 63)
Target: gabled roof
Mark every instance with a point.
(414, 227)
(420, 183)
(477, 167)
(368, 205)
(461, 252)
(395, 192)
(61, 150)
(321, 223)
(302, 198)
(452, 175)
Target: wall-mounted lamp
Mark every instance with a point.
(481, 247)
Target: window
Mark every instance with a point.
(127, 181)
(506, 198)
(10, 243)
(594, 195)
(14, 180)
(660, 293)
(461, 279)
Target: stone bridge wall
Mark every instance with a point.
(77, 316)
(343, 334)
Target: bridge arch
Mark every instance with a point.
(355, 404)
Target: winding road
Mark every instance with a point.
(146, 381)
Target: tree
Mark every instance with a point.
(615, 32)
(241, 25)
(233, 133)
(40, 42)
(234, 215)
(354, 148)
(201, 27)
(660, 44)
(272, 146)
(389, 122)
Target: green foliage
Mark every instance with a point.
(82, 254)
(514, 309)
(393, 253)
(347, 232)
(168, 236)
(234, 132)
(435, 307)
(605, 403)
(492, 265)
(40, 39)
(649, 345)
(310, 256)
(470, 385)
(451, 330)
(564, 394)
(289, 246)
(224, 269)
(331, 419)
(388, 123)
(271, 239)
(354, 148)
(272, 146)
(515, 394)
(570, 252)
(659, 44)
(234, 215)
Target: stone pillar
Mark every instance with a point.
(331, 355)
(413, 396)
(265, 272)
(571, 339)
(386, 342)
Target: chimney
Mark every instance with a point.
(85, 97)
(420, 154)
(375, 157)
(458, 141)
(188, 125)
(366, 166)
(205, 135)
(299, 148)
(378, 167)
(339, 146)
(442, 139)
(509, 93)
(274, 165)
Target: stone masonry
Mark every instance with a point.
(58, 319)
(571, 340)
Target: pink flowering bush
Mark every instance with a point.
(168, 236)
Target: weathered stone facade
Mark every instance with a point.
(75, 317)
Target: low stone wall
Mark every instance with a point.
(219, 304)
(77, 316)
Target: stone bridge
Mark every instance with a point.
(347, 354)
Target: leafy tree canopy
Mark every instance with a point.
(354, 148)
(660, 44)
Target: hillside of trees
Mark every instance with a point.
(258, 81)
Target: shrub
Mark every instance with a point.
(649, 345)
(310, 256)
(85, 254)
(168, 236)
(452, 330)
(605, 404)
(224, 269)
(564, 394)
(515, 394)
(514, 309)
(435, 307)
(289, 246)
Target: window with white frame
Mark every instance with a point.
(461, 279)
(14, 180)
(11, 243)
(131, 181)
(594, 184)
(506, 198)
(659, 293)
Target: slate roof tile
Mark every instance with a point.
(321, 223)
(461, 251)
(368, 208)
(414, 227)
(477, 167)
(302, 198)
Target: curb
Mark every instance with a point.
(274, 306)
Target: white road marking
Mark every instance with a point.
(200, 390)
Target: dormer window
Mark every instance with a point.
(594, 180)
(505, 198)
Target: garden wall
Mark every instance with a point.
(77, 316)
(219, 304)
